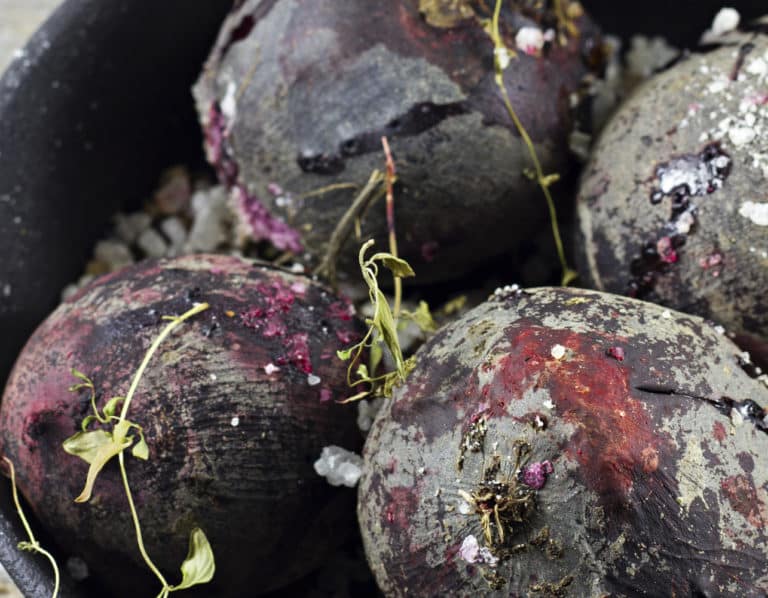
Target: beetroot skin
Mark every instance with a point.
(236, 405)
(672, 203)
(296, 96)
(642, 470)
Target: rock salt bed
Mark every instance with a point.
(203, 223)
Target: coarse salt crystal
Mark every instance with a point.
(339, 466)
(741, 135)
(718, 85)
(235, 422)
(558, 351)
(666, 314)
(313, 380)
(756, 212)
(469, 549)
(684, 223)
(271, 368)
(757, 67)
(727, 19)
(229, 103)
(530, 40)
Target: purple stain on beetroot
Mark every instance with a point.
(262, 224)
(535, 475)
(682, 178)
(276, 300)
(265, 226)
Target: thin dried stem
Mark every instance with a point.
(390, 179)
(327, 266)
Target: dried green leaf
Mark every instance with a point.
(362, 372)
(454, 305)
(393, 380)
(446, 13)
(199, 566)
(385, 323)
(111, 407)
(398, 266)
(569, 276)
(422, 317)
(345, 354)
(360, 395)
(140, 450)
(118, 441)
(87, 445)
(376, 355)
(83, 377)
(87, 422)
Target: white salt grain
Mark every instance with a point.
(470, 549)
(152, 243)
(726, 20)
(529, 40)
(558, 351)
(741, 135)
(271, 368)
(339, 466)
(756, 212)
(113, 253)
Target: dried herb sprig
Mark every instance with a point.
(502, 503)
(382, 329)
(98, 446)
(33, 545)
(502, 56)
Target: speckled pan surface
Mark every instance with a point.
(672, 206)
(652, 435)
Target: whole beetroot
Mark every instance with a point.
(236, 405)
(560, 442)
(672, 205)
(297, 95)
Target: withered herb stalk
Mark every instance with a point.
(33, 545)
(502, 56)
(98, 446)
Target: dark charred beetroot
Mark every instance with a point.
(297, 95)
(672, 205)
(236, 405)
(619, 448)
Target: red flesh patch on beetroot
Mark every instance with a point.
(402, 506)
(718, 429)
(614, 441)
(741, 494)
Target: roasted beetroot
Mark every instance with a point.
(672, 205)
(296, 97)
(236, 405)
(561, 442)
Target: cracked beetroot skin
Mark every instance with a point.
(247, 482)
(642, 445)
(296, 96)
(672, 207)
